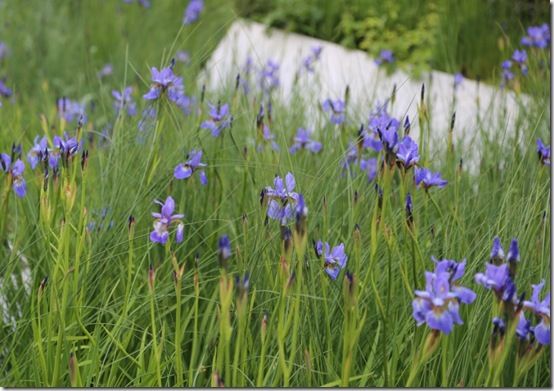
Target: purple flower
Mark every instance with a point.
(185, 103)
(269, 76)
(282, 199)
(542, 310)
(438, 304)
(124, 100)
(385, 56)
(369, 166)
(523, 327)
(456, 271)
(426, 178)
(537, 36)
(303, 140)
(385, 127)
(497, 252)
(506, 64)
(193, 11)
(458, 79)
(308, 62)
(15, 171)
(280, 211)
(371, 141)
(38, 152)
(543, 152)
(106, 70)
(334, 259)
(220, 119)
(70, 110)
(336, 109)
(163, 221)
(4, 90)
(67, 146)
(193, 164)
(165, 81)
(407, 152)
(496, 277)
(246, 71)
(268, 137)
(519, 56)
(182, 56)
(282, 190)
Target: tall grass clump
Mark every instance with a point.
(154, 233)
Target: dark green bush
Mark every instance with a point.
(472, 36)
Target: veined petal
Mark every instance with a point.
(441, 321)
(182, 171)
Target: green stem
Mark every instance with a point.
(155, 339)
(178, 358)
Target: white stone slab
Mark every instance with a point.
(369, 84)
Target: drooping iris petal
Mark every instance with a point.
(182, 171)
(542, 333)
(441, 321)
(180, 233)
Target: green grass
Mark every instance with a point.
(99, 322)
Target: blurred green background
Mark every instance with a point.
(472, 36)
